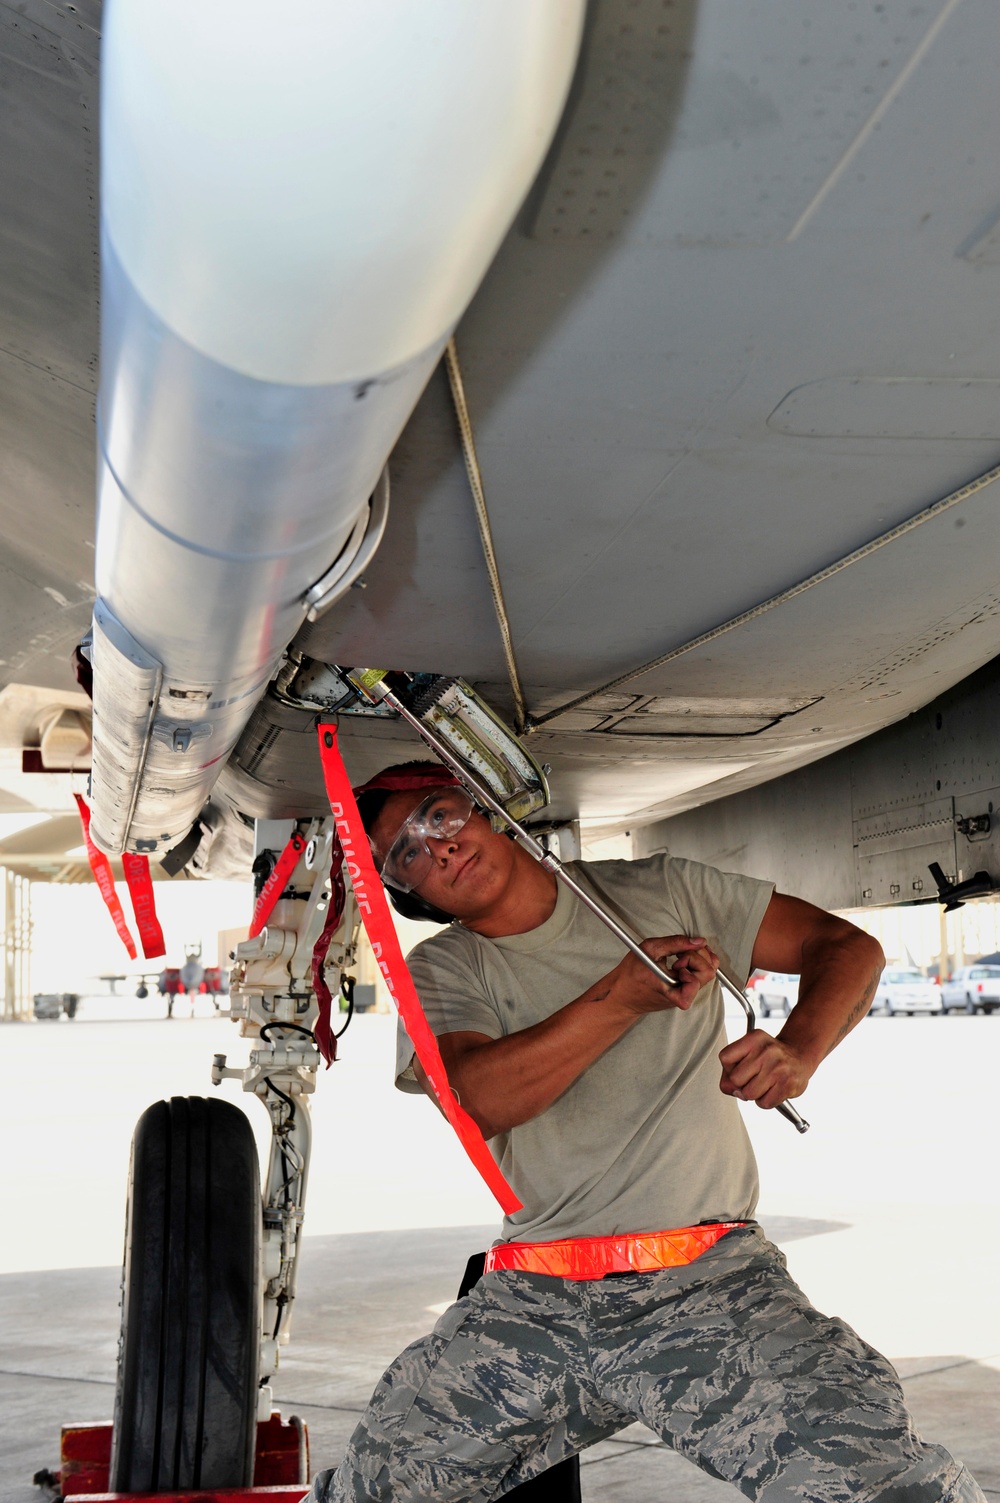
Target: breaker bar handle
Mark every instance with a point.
(380, 691)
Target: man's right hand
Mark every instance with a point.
(633, 986)
(503, 1082)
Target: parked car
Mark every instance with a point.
(776, 991)
(976, 988)
(905, 989)
(54, 1004)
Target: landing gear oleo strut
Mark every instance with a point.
(210, 1267)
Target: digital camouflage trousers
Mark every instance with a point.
(724, 1359)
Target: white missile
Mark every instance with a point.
(298, 204)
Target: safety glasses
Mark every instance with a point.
(441, 816)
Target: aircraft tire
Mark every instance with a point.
(186, 1397)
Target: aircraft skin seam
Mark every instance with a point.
(936, 508)
(873, 122)
(190, 544)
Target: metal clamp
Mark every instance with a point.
(356, 554)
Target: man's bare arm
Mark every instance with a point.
(839, 966)
(504, 1082)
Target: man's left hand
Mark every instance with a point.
(838, 966)
(759, 1067)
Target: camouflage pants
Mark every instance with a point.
(725, 1359)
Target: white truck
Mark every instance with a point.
(974, 988)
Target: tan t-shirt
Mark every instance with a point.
(644, 1139)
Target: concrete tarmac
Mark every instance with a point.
(887, 1210)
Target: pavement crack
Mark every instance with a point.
(311, 1404)
(950, 1367)
(8, 1372)
(622, 1448)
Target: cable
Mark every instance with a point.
(963, 493)
(485, 531)
(347, 984)
(281, 1129)
(267, 1029)
(321, 949)
(286, 1099)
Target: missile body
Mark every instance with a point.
(297, 207)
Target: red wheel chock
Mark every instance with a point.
(280, 1474)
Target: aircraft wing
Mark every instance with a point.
(732, 385)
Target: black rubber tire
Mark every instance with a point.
(186, 1399)
(970, 1006)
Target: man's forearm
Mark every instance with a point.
(838, 965)
(838, 980)
(504, 1082)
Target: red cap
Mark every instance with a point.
(410, 775)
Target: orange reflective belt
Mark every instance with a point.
(593, 1257)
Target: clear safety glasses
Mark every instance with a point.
(441, 816)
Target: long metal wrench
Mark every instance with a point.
(552, 863)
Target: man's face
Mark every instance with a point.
(469, 870)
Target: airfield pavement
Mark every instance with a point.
(888, 1211)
